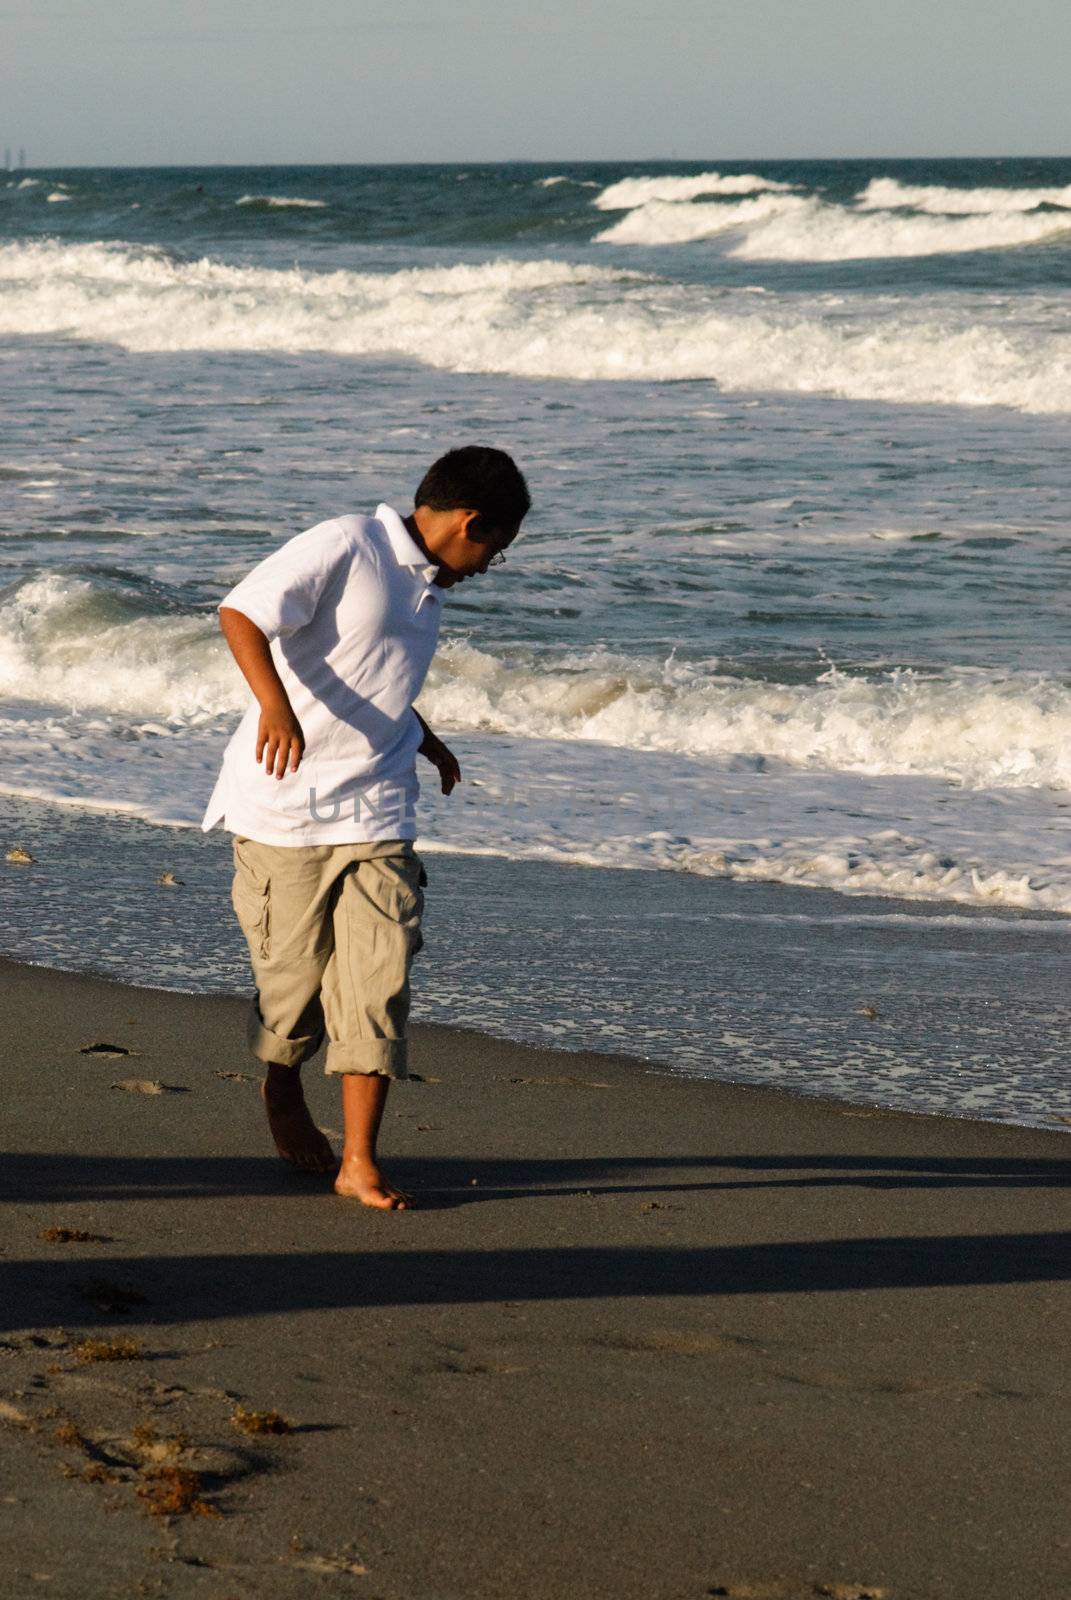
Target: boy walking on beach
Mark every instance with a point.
(334, 633)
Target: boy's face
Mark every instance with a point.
(469, 548)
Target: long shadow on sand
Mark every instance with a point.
(448, 1180)
(201, 1287)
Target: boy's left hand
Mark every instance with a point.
(442, 758)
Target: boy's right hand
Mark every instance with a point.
(280, 741)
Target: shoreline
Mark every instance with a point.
(640, 1334)
(616, 1061)
(871, 1001)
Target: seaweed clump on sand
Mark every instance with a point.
(260, 1421)
(174, 1492)
(109, 1350)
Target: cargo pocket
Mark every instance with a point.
(414, 908)
(394, 889)
(251, 899)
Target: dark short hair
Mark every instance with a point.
(476, 478)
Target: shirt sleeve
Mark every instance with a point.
(282, 592)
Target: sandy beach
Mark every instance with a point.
(643, 1336)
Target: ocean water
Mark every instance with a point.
(790, 605)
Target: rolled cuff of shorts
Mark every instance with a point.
(274, 1049)
(387, 1057)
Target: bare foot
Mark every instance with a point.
(364, 1181)
(297, 1138)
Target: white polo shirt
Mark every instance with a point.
(352, 613)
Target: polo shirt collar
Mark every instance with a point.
(405, 547)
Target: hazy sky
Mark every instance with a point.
(234, 81)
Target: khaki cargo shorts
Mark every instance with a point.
(332, 930)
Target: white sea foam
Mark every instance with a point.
(935, 788)
(552, 183)
(55, 197)
(599, 805)
(804, 228)
(280, 202)
(550, 319)
(631, 192)
(885, 194)
(28, 183)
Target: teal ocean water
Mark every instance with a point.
(790, 604)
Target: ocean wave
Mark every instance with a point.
(886, 194)
(681, 222)
(629, 192)
(977, 730)
(553, 183)
(143, 662)
(804, 228)
(546, 319)
(273, 202)
(55, 197)
(972, 729)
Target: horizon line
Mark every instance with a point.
(512, 161)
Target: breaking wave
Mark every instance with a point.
(547, 319)
(973, 729)
(886, 194)
(278, 202)
(979, 730)
(629, 192)
(557, 180)
(804, 228)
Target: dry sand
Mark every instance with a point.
(645, 1339)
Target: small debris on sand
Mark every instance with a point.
(238, 1077)
(104, 1050)
(109, 1350)
(11, 1413)
(17, 853)
(71, 1236)
(571, 1083)
(260, 1421)
(869, 1011)
(312, 1561)
(850, 1591)
(69, 1436)
(752, 1591)
(147, 1086)
(169, 881)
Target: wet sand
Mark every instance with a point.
(644, 1337)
